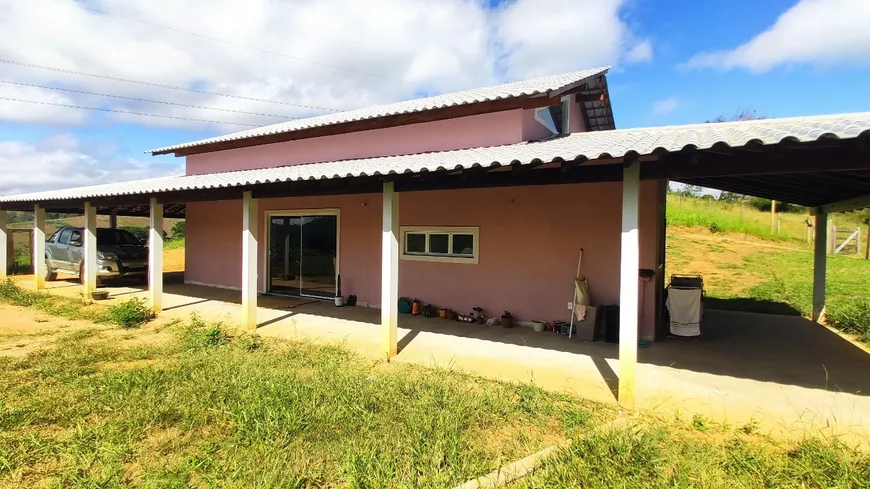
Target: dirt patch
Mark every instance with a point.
(173, 260)
(719, 258)
(23, 331)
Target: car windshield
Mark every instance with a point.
(116, 237)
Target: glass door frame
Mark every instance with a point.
(267, 244)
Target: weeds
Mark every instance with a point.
(128, 314)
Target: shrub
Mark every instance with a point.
(197, 334)
(129, 314)
(141, 232)
(177, 231)
(852, 318)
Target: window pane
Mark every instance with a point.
(463, 244)
(438, 243)
(415, 243)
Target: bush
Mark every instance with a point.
(198, 334)
(177, 231)
(129, 314)
(141, 232)
(852, 318)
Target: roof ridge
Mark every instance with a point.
(420, 104)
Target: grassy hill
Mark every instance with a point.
(746, 267)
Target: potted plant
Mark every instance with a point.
(507, 320)
(478, 315)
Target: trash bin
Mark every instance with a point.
(610, 320)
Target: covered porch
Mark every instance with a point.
(783, 371)
(818, 162)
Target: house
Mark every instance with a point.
(484, 197)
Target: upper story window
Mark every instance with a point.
(555, 117)
(440, 244)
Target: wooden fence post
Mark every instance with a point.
(867, 244)
(774, 225)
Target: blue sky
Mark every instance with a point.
(674, 62)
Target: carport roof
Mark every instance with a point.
(756, 137)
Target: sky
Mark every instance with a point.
(257, 62)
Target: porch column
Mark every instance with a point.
(4, 249)
(249, 261)
(155, 256)
(628, 284)
(113, 218)
(37, 248)
(89, 281)
(390, 271)
(820, 250)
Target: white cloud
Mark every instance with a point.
(642, 52)
(665, 106)
(430, 46)
(815, 32)
(60, 161)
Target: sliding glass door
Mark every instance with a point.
(303, 254)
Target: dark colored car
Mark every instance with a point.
(119, 254)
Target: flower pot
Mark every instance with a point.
(539, 326)
(507, 322)
(100, 295)
(339, 301)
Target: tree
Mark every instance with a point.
(741, 115)
(731, 197)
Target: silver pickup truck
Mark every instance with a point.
(119, 254)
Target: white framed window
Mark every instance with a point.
(440, 244)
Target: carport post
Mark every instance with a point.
(249, 261)
(113, 218)
(4, 250)
(390, 271)
(629, 264)
(820, 251)
(89, 282)
(38, 247)
(155, 256)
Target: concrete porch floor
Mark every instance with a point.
(785, 372)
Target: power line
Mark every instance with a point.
(101, 109)
(143, 99)
(224, 41)
(158, 85)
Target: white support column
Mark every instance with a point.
(820, 250)
(89, 282)
(38, 247)
(249, 261)
(390, 271)
(155, 257)
(628, 284)
(4, 250)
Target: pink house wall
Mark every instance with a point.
(530, 238)
(496, 128)
(491, 129)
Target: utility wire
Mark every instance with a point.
(101, 109)
(224, 41)
(157, 85)
(10, 82)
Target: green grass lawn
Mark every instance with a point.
(193, 406)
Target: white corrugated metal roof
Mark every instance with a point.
(534, 86)
(589, 145)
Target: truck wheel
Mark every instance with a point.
(50, 274)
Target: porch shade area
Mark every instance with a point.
(820, 162)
